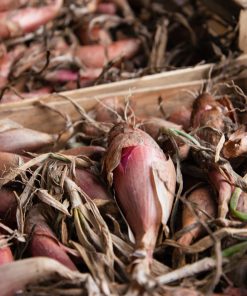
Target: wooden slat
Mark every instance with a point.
(165, 79)
(172, 86)
(133, 85)
(243, 30)
(35, 117)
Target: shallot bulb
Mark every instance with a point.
(211, 119)
(144, 181)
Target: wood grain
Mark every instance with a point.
(175, 88)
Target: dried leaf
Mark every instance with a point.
(90, 212)
(160, 42)
(164, 176)
(80, 162)
(32, 270)
(98, 271)
(45, 197)
(80, 233)
(24, 199)
(208, 242)
(219, 147)
(236, 145)
(188, 270)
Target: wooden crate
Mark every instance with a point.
(174, 87)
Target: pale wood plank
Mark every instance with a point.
(145, 101)
(243, 30)
(134, 85)
(144, 92)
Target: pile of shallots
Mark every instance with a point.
(58, 45)
(120, 204)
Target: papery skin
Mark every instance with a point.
(203, 106)
(214, 114)
(144, 181)
(206, 106)
(236, 146)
